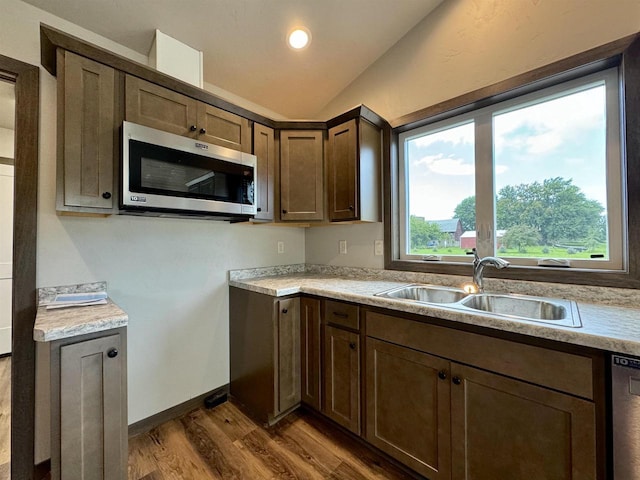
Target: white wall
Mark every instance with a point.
(462, 46)
(6, 142)
(322, 245)
(6, 254)
(168, 274)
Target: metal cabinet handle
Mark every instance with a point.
(456, 380)
(340, 314)
(258, 209)
(193, 128)
(203, 131)
(284, 310)
(352, 345)
(112, 353)
(442, 374)
(106, 195)
(351, 207)
(284, 211)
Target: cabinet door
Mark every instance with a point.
(343, 172)
(301, 175)
(86, 101)
(310, 351)
(223, 128)
(264, 150)
(504, 428)
(158, 107)
(408, 407)
(92, 434)
(288, 357)
(342, 377)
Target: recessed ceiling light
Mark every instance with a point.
(299, 38)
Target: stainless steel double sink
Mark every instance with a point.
(514, 307)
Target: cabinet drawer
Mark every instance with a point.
(341, 314)
(561, 371)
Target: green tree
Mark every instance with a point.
(556, 208)
(421, 232)
(466, 212)
(520, 237)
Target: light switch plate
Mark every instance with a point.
(343, 247)
(378, 247)
(280, 247)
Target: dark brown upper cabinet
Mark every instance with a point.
(354, 162)
(222, 128)
(265, 151)
(301, 175)
(88, 121)
(154, 106)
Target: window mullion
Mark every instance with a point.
(485, 196)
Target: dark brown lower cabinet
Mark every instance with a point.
(342, 377)
(89, 406)
(508, 429)
(264, 334)
(408, 407)
(310, 351)
(288, 354)
(450, 421)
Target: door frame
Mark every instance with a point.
(27, 92)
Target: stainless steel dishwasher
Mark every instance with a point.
(625, 391)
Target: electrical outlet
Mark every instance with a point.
(280, 247)
(343, 247)
(378, 247)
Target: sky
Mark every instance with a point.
(562, 137)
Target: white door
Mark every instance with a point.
(6, 255)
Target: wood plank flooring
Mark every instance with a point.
(223, 443)
(5, 418)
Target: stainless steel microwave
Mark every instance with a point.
(163, 172)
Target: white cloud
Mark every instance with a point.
(442, 165)
(460, 135)
(550, 124)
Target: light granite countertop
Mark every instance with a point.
(68, 322)
(610, 328)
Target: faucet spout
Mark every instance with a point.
(478, 268)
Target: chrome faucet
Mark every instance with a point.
(478, 267)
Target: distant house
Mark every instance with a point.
(468, 239)
(452, 226)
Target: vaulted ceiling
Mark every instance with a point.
(243, 41)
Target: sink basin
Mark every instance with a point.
(560, 312)
(425, 293)
(515, 307)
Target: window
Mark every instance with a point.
(537, 179)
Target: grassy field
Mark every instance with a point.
(535, 252)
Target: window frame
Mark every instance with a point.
(624, 54)
(485, 190)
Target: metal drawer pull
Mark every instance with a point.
(340, 314)
(113, 353)
(352, 346)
